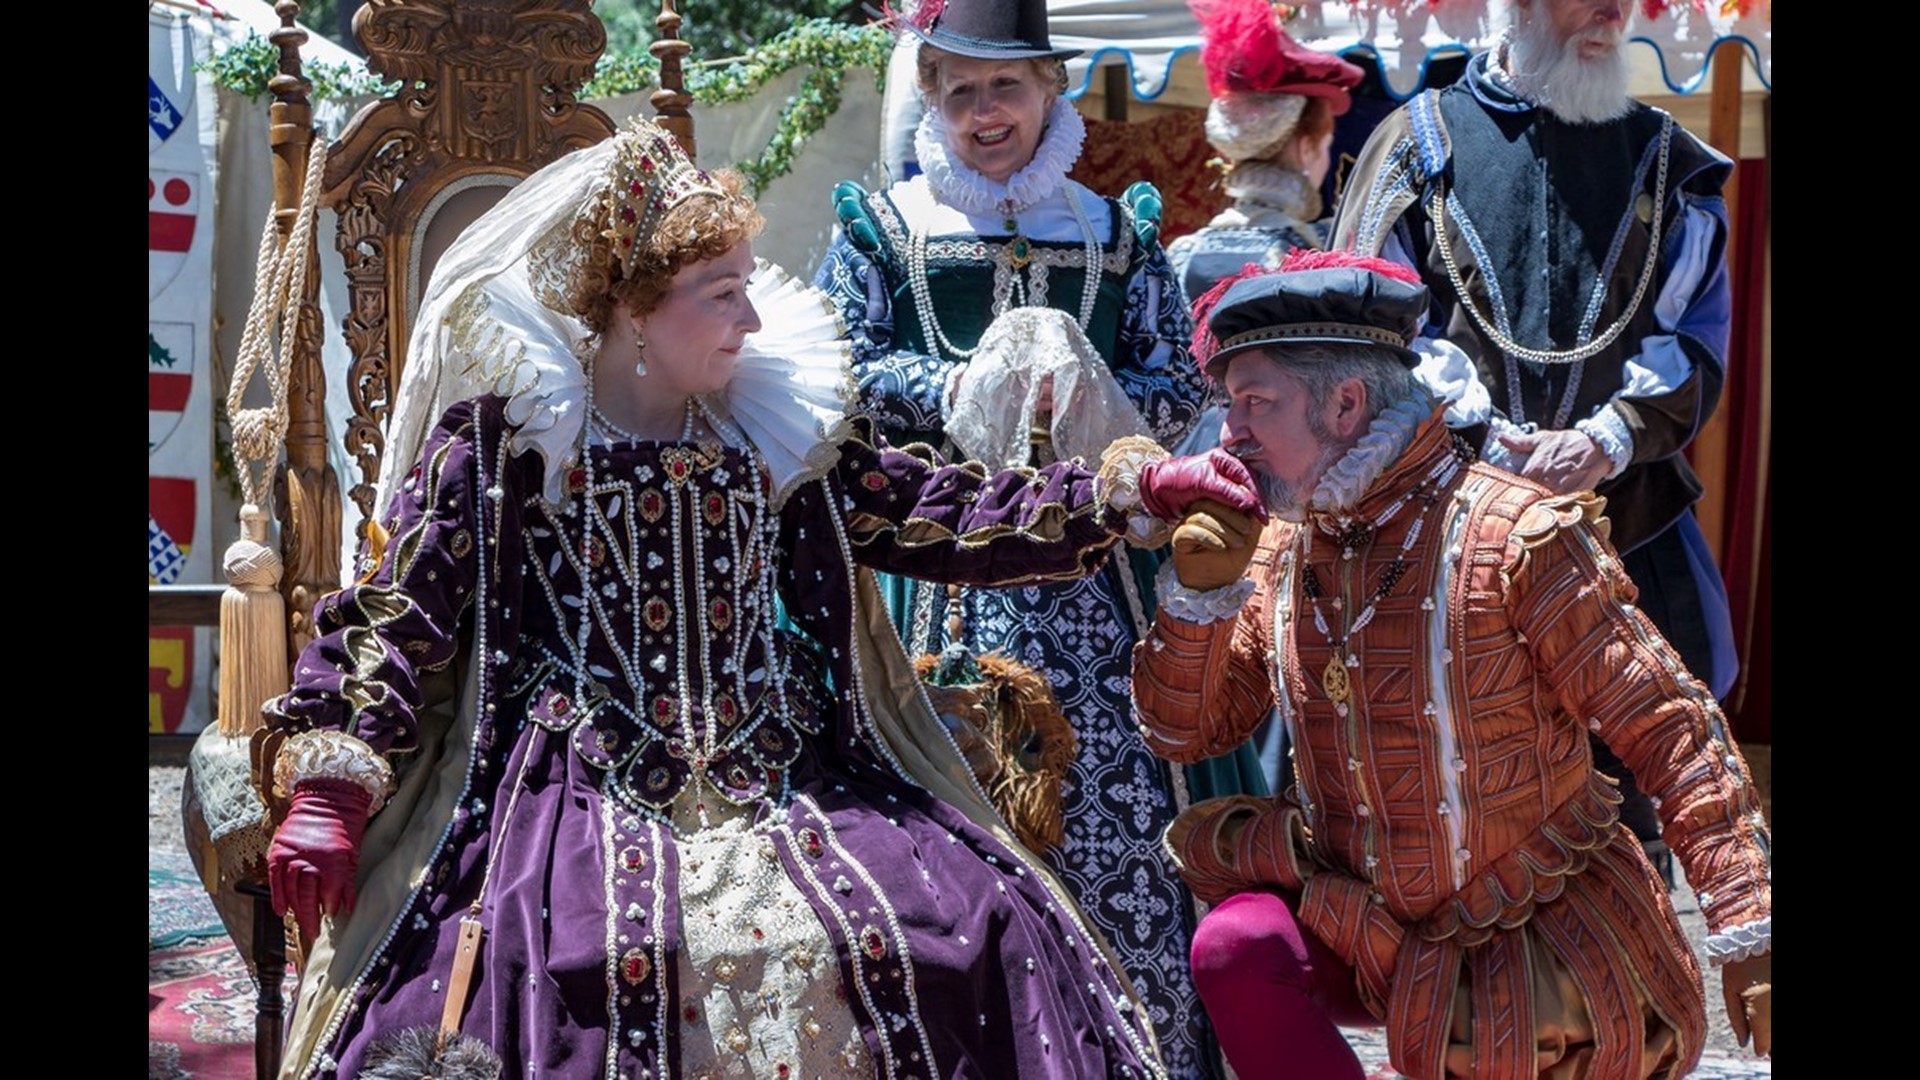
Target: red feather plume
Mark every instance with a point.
(921, 17)
(1242, 45)
(1204, 343)
(1307, 259)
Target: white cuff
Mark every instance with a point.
(1118, 485)
(1196, 605)
(1741, 942)
(1607, 429)
(1449, 372)
(332, 755)
(1496, 453)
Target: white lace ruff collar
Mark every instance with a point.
(956, 185)
(1346, 481)
(790, 393)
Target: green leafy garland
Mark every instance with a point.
(827, 49)
(246, 67)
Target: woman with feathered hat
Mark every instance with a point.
(568, 798)
(1271, 119)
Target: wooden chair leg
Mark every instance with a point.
(270, 967)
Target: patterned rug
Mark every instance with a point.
(199, 995)
(178, 910)
(199, 1013)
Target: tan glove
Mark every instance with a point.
(1213, 545)
(1747, 986)
(1234, 844)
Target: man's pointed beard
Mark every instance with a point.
(1553, 75)
(1288, 501)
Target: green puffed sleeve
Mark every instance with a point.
(1143, 205)
(856, 221)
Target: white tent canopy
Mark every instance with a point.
(1149, 35)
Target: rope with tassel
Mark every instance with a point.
(253, 615)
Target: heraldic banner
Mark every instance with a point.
(180, 185)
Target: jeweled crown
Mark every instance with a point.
(651, 175)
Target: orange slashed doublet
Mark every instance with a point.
(1456, 839)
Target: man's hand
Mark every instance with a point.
(315, 854)
(1213, 545)
(1747, 986)
(1562, 461)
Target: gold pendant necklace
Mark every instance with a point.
(1354, 536)
(1335, 680)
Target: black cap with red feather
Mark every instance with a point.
(1329, 297)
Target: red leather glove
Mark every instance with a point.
(1168, 488)
(316, 852)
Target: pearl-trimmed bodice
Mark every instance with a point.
(650, 635)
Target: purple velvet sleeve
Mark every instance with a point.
(909, 512)
(379, 639)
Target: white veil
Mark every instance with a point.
(482, 328)
(533, 346)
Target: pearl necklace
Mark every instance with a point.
(1351, 536)
(620, 434)
(755, 547)
(1016, 254)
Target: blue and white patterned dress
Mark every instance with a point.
(1081, 633)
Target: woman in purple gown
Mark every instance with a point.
(569, 798)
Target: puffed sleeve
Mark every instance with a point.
(1152, 362)
(1200, 688)
(1607, 665)
(904, 391)
(1672, 382)
(910, 512)
(357, 687)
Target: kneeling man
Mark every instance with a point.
(1440, 638)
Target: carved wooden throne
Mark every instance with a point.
(488, 94)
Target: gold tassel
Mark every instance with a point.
(253, 628)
